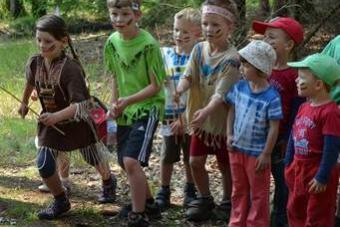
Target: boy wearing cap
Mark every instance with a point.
(314, 145)
(283, 34)
(252, 129)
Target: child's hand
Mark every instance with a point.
(316, 187)
(199, 118)
(177, 128)
(48, 119)
(113, 113)
(262, 162)
(176, 97)
(34, 95)
(23, 110)
(230, 140)
(122, 103)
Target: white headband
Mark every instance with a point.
(135, 6)
(219, 11)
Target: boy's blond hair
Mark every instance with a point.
(123, 3)
(190, 14)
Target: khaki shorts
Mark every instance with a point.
(171, 152)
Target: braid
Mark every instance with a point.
(74, 54)
(56, 26)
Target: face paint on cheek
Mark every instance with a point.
(301, 84)
(129, 22)
(52, 48)
(218, 33)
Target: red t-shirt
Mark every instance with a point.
(284, 82)
(311, 124)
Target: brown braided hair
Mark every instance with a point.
(56, 26)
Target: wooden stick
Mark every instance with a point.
(28, 107)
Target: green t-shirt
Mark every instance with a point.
(131, 62)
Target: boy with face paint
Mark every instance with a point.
(314, 145)
(283, 34)
(186, 32)
(133, 58)
(211, 71)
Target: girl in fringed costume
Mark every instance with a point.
(64, 123)
(212, 70)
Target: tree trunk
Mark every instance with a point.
(279, 8)
(241, 29)
(16, 8)
(264, 8)
(39, 8)
(241, 7)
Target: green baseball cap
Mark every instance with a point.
(322, 66)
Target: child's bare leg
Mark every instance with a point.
(188, 173)
(63, 164)
(200, 174)
(138, 184)
(54, 184)
(166, 173)
(226, 180)
(103, 169)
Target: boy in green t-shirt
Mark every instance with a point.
(134, 59)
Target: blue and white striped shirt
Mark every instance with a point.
(252, 114)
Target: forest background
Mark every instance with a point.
(89, 26)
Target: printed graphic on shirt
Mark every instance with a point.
(311, 124)
(301, 142)
(174, 66)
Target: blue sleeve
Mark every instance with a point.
(330, 154)
(296, 102)
(229, 97)
(290, 151)
(275, 109)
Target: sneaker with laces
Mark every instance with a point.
(189, 194)
(163, 198)
(108, 193)
(200, 209)
(222, 210)
(137, 220)
(151, 209)
(66, 185)
(55, 209)
(43, 188)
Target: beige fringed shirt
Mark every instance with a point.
(210, 76)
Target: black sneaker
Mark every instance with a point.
(163, 198)
(108, 194)
(222, 210)
(200, 209)
(152, 210)
(137, 220)
(189, 194)
(55, 209)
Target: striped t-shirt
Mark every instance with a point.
(174, 66)
(252, 114)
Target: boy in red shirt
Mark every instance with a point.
(283, 34)
(314, 145)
